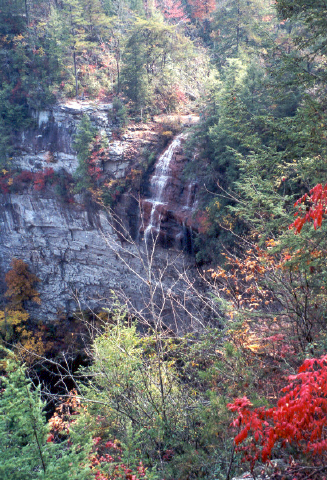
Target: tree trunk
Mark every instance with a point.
(75, 71)
(238, 27)
(26, 13)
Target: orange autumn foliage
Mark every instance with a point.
(20, 283)
(201, 9)
(16, 327)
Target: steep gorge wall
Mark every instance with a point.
(80, 260)
(50, 143)
(73, 248)
(65, 246)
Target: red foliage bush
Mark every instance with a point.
(4, 187)
(110, 452)
(21, 181)
(300, 417)
(25, 177)
(316, 208)
(10, 183)
(41, 178)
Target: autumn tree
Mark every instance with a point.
(201, 9)
(298, 420)
(173, 10)
(14, 318)
(20, 282)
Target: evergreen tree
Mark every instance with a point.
(26, 453)
(134, 78)
(75, 34)
(120, 8)
(309, 13)
(13, 19)
(238, 25)
(231, 128)
(29, 66)
(82, 143)
(151, 56)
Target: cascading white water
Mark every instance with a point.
(190, 195)
(158, 183)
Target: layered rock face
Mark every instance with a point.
(81, 260)
(75, 249)
(64, 245)
(50, 144)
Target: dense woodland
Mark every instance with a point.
(247, 392)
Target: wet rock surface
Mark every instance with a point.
(169, 212)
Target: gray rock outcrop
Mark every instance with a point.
(67, 247)
(75, 249)
(50, 143)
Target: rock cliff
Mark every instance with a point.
(50, 142)
(74, 248)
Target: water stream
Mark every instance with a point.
(158, 183)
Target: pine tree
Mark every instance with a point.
(134, 79)
(236, 26)
(26, 452)
(151, 53)
(82, 143)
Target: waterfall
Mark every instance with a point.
(190, 194)
(158, 183)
